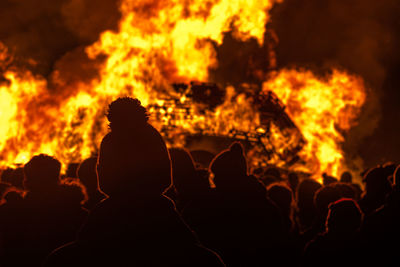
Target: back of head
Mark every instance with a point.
(281, 195)
(86, 173)
(377, 182)
(126, 114)
(184, 174)
(344, 217)
(327, 179)
(331, 193)
(229, 168)
(346, 177)
(230, 161)
(41, 172)
(306, 191)
(133, 156)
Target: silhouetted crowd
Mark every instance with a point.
(140, 204)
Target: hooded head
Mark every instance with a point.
(230, 162)
(230, 171)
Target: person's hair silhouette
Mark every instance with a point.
(344, 217)
(42, 172)
(340, 244)
(133, 156)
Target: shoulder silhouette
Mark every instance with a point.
(340, 243)
(48, 216)
(136, 225)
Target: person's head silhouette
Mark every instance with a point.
(377, 183)
(133, 156)
(346, 177)
(344, 217)
(41, 173)
(230, 161)
(187, 180)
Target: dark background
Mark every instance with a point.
(360, 36)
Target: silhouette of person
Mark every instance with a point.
(322, 199)
(381, 228)
(377, 186)
(187, 182)
(11, 226)
(86, 173)
(347, 178)
(282, 196)
(306, 211)
(49, 215)
(340, 244)
(136, 225)
(248, 226)
(195, 198)
(327, 179)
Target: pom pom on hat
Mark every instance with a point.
(229, 161)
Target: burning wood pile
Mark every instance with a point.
(290, 118)
(272, 117)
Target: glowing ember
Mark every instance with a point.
(165, 42)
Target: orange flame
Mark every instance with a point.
(322, 109)
(158, 43)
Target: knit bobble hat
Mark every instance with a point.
(230, 161)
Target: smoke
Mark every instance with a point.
(40, 32)
(243, 61)
(360, 36)
(357, 34)
(48, 38)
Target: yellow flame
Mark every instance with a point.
(160, 42)
(322, 108)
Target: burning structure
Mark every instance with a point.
(292, 118)
(273, 120)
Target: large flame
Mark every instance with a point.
(158, 43)
(323, 108)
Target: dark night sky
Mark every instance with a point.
(361, 36)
